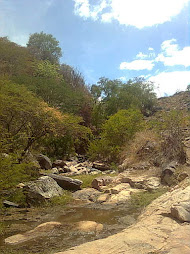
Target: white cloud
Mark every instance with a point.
(151, 49)
(135, 13)
(171, 54)
(170, 82)
(85, 10)
(140, 55)
(137, 65)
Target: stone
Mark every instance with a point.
(87, 194)
(42, 189)
(154, 232)
(66, 183)
(89, 226)
(44, 161)
(7, 203)
(58, 164)
(39, 231)
(152, 183)
(103, 198)
(100, 166)
(98, 182)
(118, 188)
(181, 211)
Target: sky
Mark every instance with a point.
(116, 39)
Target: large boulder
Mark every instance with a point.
(67, 183)
(181, 211)
(42, 189)
(168, 172)
(39, 231)
(44, 161)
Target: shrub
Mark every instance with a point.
(117, 130)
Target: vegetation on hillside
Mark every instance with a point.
(47, 107)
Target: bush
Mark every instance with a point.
(117, 130)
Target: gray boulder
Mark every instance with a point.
(66, 183)
(42, 189)
(44, 161)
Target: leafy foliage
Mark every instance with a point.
(44, 47)
(116, 131)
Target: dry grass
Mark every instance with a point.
(143, 147)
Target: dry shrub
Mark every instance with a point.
(144, 147)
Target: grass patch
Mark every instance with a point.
(142, 199)
(65, 199)
(2, 228)
(86, 179)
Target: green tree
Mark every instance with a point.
(44, 47)
(116, 131)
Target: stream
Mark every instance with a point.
(113, 218)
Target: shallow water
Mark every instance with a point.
(114, 219)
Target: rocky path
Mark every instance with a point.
(163, 228)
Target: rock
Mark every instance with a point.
(152, 183)
(58, 164)
(39, 231)
(121, 197)
(154, 232)
(40, 190)
(98, 182)
(44, 161)
(181, 211)
(89, 226)
(87, 194)
(182, 176)
(20, 185)
(55, 171)
(120, 187)
(100, 166)
(66, 183)
(140, 182)
(103, 198)
(7, 203)
(168, 172)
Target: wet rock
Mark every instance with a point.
(89, 226)
(87, 194)
(7, 203)
(39, 231)
(43, 188)
(181, 211)
(44, 161)
(66, 183)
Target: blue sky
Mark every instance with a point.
(117, 39)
